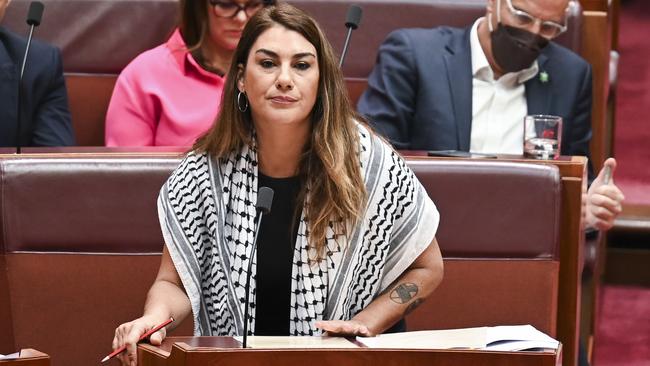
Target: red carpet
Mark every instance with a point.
(632, 138)
(623, 337)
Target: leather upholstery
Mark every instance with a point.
(114, 200)
(80, 247)
(98, 36)
(91, 205)
(97, 39)
(526, 194)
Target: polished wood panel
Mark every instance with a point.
(57, 280)
(89, 95)
(492, 292)
(7, 334)
(596, 46)
(184, 354)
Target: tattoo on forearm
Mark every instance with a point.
(412, 306)
(404, 292)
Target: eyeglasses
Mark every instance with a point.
(230, 9)
(522, 19)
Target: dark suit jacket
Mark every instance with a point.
(420, 92)
(44, 104)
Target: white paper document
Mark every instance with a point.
(297, 342)
(430, 339)
(10, 357)
(520, 336)
(501, 338)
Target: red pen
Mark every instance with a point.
(143, 337)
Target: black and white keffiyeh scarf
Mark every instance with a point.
(207, 215)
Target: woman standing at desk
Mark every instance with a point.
(170, 95)
(349, 245)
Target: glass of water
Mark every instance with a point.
(542, 136)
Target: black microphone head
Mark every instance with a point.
(35, 13)
(354, 17)
(264, 200)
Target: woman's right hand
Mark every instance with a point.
(129, 334)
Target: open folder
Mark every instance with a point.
(500, 338)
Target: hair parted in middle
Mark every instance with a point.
(329, 166)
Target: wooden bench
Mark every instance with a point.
(81, 245)
(99, 38)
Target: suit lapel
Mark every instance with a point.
(458, 62)
(537, 92)
(8, 95)
(7, 64)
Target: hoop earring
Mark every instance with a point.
(242, 108)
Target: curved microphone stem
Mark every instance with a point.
(29, 42)
(20, 90)
(248, 278)
(345, 47)
(34, 16)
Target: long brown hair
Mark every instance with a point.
(329, 165)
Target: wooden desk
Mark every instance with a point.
(573, 172)
(28, 357)
(24, 281)
(224, 351)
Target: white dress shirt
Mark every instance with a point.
(498, 106)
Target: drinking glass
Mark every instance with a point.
(542, 136)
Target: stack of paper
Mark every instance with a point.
(501, 338)
(430, 339)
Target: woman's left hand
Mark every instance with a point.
(344, 328)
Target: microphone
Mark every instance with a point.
(34, 15)
(264, 202)
(351, 22)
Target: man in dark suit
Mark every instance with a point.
(44, 102)
(469, 89)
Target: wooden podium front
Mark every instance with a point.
(225, 351)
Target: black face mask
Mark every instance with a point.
(515, 49)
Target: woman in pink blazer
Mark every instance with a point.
(170, 95)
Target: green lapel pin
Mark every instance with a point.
(543, 77)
